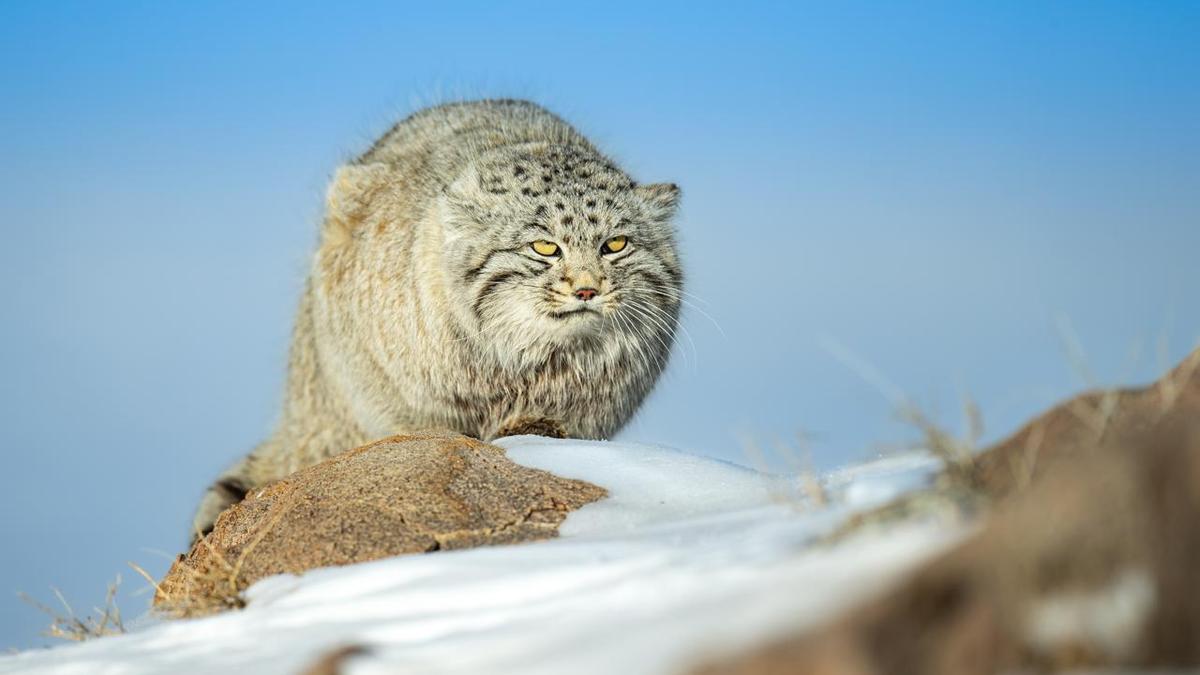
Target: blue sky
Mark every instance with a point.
(941, 190)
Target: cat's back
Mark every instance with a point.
(445, 137)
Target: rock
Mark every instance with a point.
(400, 495)
(1087, 561)
(1075, 429)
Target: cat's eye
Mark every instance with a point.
(614, 245)
(546, 248)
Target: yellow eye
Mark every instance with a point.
(614, 245)
(546, 248)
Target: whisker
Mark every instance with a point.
(637, 348)
(671, 294)
(644, 312)
(665, 318)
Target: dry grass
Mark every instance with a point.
(957, 495)
(805, 489)
(67, 625)
(956, 453)
(210, 588)
(213, 586)
(968, 483)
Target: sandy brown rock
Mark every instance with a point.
(1088, 561)
(400, 495)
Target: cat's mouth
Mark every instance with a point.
(575, 312)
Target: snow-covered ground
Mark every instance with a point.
(687, 558)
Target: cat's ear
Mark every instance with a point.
(661, 198)
(349, 199)
(465, 189)
(464, 200)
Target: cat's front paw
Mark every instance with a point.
(221, 495)
(530, 426)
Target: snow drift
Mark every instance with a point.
(688, 558)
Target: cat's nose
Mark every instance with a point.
(585, 294)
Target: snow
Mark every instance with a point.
(1112, 617)
(687, 558)
(648, 485)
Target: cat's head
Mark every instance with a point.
(534, 247)
(552, 244)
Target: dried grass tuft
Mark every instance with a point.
(67, 625)
(804, 488)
